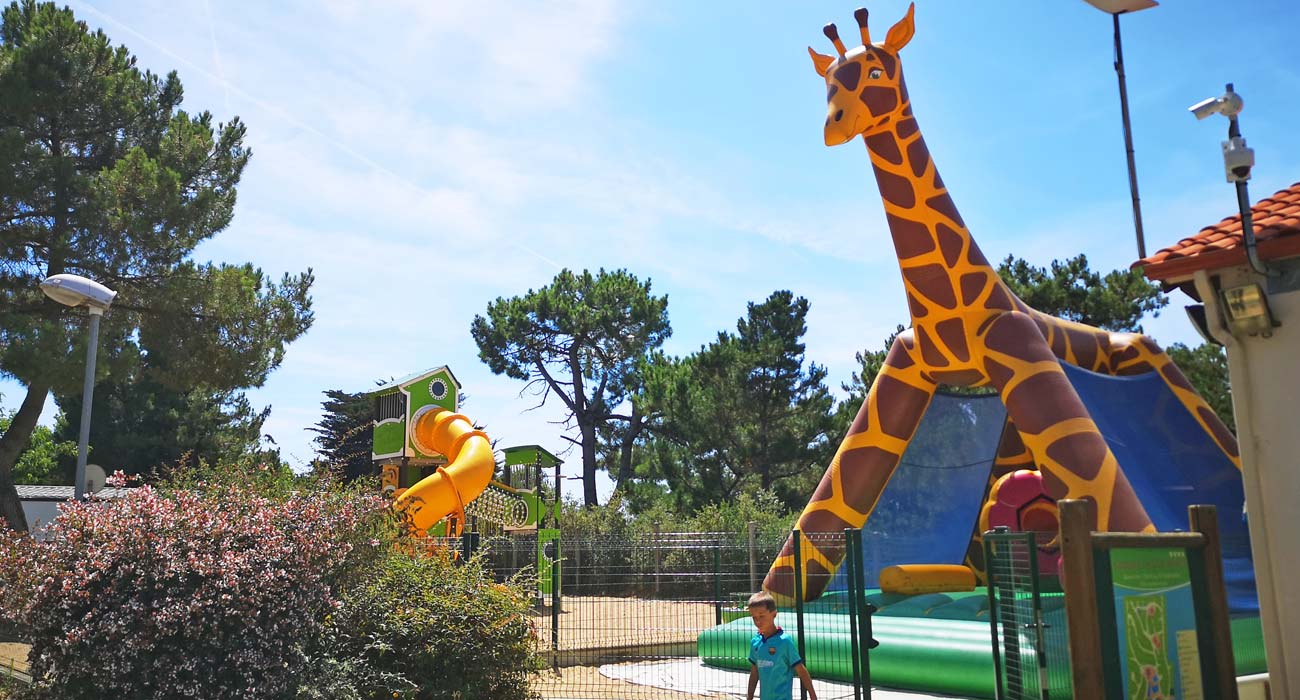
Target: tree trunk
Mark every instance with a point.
(12, 444)
(588, 463)
(634, 427)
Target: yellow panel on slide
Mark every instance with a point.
(469, 469)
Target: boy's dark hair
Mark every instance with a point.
(763, 599)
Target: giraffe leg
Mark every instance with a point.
(1132, 353)
(1075, 460)
(862, 466)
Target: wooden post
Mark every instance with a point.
(1202, 519)
(1081, 612)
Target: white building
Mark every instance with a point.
(1253, 310)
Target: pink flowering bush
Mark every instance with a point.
(210, 589)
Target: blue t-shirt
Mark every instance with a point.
(775, 658)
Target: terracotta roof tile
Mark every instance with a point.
(1276, 222)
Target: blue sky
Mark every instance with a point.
(425, 158)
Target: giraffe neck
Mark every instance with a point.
(943, 269)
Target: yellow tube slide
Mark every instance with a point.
(468, 471)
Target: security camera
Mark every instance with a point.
(75, 290)
(1238, 159)
(1228, 104)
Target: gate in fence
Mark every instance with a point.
(1026, 618)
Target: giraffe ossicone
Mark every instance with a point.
(968, 329)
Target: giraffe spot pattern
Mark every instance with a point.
(953, 334)
(1011, 445)
(880, 100)
(899, 356)
(950, 242)
(1137, 368)
(1008, 335)
(971, 283)
(943, 204)
(1081, 453)
(1221, 433)
(862, 421)
(895, 189)
(911, 238)
(884, 145)
(1119, 358)
(904, 407)
(929, 351)
(863, 473)
(889, 63)
(906, 128)
(919, 157)
(916, 308)
(830, 92)
(1086, 350)
(1059, 346)
(958, 377)
(848, 75)
(932, 283)
(1173, 376)
(1126, 511)
(1043, 400)
(1056, 489)
(821, 521)
(817, 575)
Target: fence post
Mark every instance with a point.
(752, 527)
(995, 615)
(1083, 617)
(865, 640)
(854, 594)
(1218, 641)
(717, 583)
(655, 546)
(555, 603)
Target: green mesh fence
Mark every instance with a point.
(1027, 620)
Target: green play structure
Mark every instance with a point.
(522, 500)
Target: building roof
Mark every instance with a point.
(408, 379)
(1276, 221)
(32, 492)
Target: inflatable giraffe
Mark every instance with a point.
(968, 329)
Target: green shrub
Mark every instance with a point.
(425, 627)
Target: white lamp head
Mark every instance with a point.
(75, 290)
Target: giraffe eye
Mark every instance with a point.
(874, 73)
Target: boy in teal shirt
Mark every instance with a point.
(773, 657)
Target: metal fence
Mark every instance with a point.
(1028, 618)
(623, 615)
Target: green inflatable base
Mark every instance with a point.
(938, 642)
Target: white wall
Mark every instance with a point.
(39, 514)
(1265, 376)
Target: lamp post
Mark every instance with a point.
(75, 290)
(1115, 8)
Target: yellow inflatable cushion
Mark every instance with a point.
(913, 579)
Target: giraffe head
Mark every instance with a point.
(864, 86)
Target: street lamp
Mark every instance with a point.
(1115, 8)
(75, 290)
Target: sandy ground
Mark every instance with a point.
(13, 659)
(596, 623)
